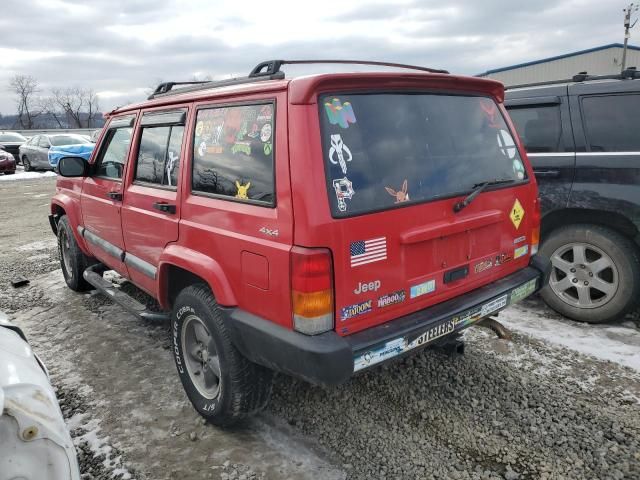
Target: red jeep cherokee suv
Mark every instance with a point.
(315, 226)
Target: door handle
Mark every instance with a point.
(115, 196)
(164, 207)
(547, 173)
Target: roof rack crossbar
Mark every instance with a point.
(628, 74)
(269, 70)
(273, 66)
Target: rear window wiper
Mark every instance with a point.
(477, 189)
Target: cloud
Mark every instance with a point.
(122, 47)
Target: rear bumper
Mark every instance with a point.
(329, 359)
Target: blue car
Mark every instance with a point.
(79, 150)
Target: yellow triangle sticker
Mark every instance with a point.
(517, 214)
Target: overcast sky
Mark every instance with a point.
(123, 47)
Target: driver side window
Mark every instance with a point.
(113, 155)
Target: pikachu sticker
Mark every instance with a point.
(400, 195)
(242, 190)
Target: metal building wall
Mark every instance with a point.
(600, 62)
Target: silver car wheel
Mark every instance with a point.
(65, 248)
(583, 275)
(201, 357)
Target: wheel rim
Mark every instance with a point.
(583, 275)
(201, 357)
(65, 249)
(26, 164)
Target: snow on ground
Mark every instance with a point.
(615, 342)
(21, 175)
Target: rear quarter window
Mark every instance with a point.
(233, 153)
(539, 127)
(611, 122)
(387, 150)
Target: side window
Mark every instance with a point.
(539, 127)
(44, 142)
(34, 140)
(159, 155)
(233, 152)
(611, 123)
(113, 155)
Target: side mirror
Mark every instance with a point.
(73, 167)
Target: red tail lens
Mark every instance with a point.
(535, 230)
(312, 290)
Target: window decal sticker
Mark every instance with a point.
(368, 251)
(241, 147)
(339, 113)
(401, 195)
(338, 148)
(242, 190)
(491, 111)
(518, 168)
(265, 133)
(344, 190)
(506, 144)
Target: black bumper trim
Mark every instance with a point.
(328, 359)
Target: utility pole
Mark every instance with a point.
(627, 26)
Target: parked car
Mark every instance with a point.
(95, 135)
(7, 162)
(82, 150)
(12, 142)
(316, 226)
(35, 152)
(34, 440)
(583, 140)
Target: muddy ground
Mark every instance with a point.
(514, 410)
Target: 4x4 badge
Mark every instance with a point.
(517, 214)
(344, 189)
(337, 148)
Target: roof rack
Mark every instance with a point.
(270, 70)
(627, 74)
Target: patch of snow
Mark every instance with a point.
(26, 176)
(615, 343)
(37, 246)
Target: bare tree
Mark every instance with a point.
(26, 88)
(79, 105)
(50, 107)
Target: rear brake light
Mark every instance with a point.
(535, 230)
(312, 290)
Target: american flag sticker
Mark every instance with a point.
(368, 251)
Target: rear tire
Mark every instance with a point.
(72, 261)
(9, 173)
(595, 274)
(223, 386)
(26, 164)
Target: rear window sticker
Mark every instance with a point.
(199, 128)
(340, 113)
(519, 239)
(338, 149)
(265, 133)
(355, 310)
(363, 252)
(267, 148)
(400, 195)
(242, 190)
(254, 131)
(391, 298)
(242, 132)
(241, 147)
(202, 148)
(265, 115)
(232, 124)
(344, 190)
(491, 111)
(373, 286)
(517, 214)
(521, 251)
(506, 144)
(482, 266)
(423, 288)
(518, 168)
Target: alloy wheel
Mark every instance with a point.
(201, 357)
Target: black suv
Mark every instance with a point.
(583, 140)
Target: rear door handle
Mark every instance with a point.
(115, 196)
(547, 173)
(164, 207)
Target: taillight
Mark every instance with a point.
(535, 230)
(312, 290)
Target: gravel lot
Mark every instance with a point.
(524, 409)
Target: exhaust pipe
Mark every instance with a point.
(496, 327)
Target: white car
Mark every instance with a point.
(34, 441)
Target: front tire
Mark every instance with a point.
(223, 386)
(72, 261)
(595, 275)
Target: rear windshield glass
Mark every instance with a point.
(381, 150)
(11, 137)
(57, 140)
